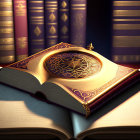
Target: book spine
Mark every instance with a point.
(7, 48)
(126, 31)
(63, 8)
(51, 22)
(21, 31)
(78, 22)
(36, 25)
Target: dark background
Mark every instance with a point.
(99, 14)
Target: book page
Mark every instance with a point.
(21, 113)
(121, 112)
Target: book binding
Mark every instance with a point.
(51, 22)
(21, 29)
(64, 18)
(126, 32)
(81, 77)
(7, 47)
(78, 22)
(36, 25)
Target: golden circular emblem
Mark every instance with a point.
(72, 65)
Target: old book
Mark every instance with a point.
(63, 20)
(126, 31)
(80, 79)
(78, 22)
(7, 47)
(51, 22)
(36, 25)
(20, 28)
(24, 117)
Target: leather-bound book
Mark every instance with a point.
(64, 18)
(78, 22)
(126, 31)
(73, 77)
(7, 48)
(51, 22)
(21, 31)
(36, 25)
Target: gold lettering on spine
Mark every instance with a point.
(35, 1)
(126, 26)
(6, 13)
(126, 12)
(51, 2)
(6, 41)
(78, 8)
(6, 23)
(20, 8)
(37, 17)
(126, 19)
(79, 5)
(126, 58)
(6, 47)
(22, 42)
(6, 4)
(126, 3)
(7, 59)
(36, 8)
(6, 30)
(55, 36)
(126, 41)
(37, 11)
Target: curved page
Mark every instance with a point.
(120, 116)
(22, 114)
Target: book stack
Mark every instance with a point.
(29, 26)
(23, 117)
(126, 31)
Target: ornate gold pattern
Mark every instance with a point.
(6, 30)
(5, 4)
(126, 26)
(36, 1)
(126, 3)
(37, 31)
(64, 29)
(7, 47)
(52, 30)
(90, 47)
(7, 59)
(64, 17)
(64, 4)
(126, 58)
(52, 17)
(22, 42)
(126, 41)
(87, 109)
(126, 13)
(6, 23)
(6, 41)
(6, 13)
(72, 65)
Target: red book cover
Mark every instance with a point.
(21, 32)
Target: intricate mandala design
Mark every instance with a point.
(72, 65)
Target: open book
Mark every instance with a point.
(70, 76)
(24, 117)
